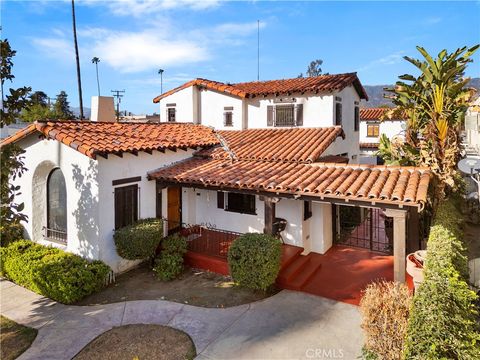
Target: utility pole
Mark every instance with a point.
(160, 71)
(77, 58)
(118, 95)
(258, 50)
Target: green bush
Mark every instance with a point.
(169, 265)
(442, 322)
(140, 240)
(49, 271)
(254, 260)
(10, 232)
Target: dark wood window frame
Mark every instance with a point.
(228, 118)
(126, 180)
(126, 205)
(220, 200)
(171, 114)
(285, 115)
(373, 130)
(356, 119)
(307, 209)
(241, 203)
(338, 113)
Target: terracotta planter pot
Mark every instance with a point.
(415, 267)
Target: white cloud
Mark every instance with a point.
(135, 52)
(140, 8)
(58, 48)
(390, 59)
(433, 20)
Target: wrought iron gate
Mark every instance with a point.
(366, 228)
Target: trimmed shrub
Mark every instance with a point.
(442, 323)
(10, 232)
(49, 271)
(254, 260)
(169, 265)
(140, 240)
(385, 308)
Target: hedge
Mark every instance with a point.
(139, 240)
(254, 260)
(442, 323)
(169, 265)
(49, 271)
(10, 232)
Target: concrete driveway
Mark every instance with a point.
(289, 325)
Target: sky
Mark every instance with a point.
(217, 40)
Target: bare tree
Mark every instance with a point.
(313, 69)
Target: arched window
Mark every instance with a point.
(56, 206)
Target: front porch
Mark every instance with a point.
(341, 274)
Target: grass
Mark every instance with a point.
(139, 341)
(14, 338)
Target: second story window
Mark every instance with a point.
(338, 111)
(171, 114)
(373, 130)
(356, 120)
(228, 116)
(285, 115)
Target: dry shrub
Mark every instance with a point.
(385, 309)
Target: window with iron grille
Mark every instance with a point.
(56, 228)
(171, 115)
(356, 120)
(228, 118)
(338, 113)
(126, 205)
(241, 203)
(284, 115)
(373, 130)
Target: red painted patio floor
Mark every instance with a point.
(340, 274)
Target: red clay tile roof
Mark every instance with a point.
(103, 138)
(304, 145)
(323, 83)
(370, 183)
(365, 145)
(370, 114)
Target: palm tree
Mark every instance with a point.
(95, 61)
(77, 59)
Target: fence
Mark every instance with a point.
(204, 238)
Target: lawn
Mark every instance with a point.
(194, 287)
(139, 342)
(14, 338)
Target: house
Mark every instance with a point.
(472, 128)
(373, 124)
(273, 174)
(323, 101)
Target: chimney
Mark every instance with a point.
(102, 109)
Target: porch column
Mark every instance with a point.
(399, 242)
(269, 215)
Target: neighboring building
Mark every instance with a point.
(472, 128)
(9, 130)
(323, 101)
(372, 126)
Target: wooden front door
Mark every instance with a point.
(174, 196)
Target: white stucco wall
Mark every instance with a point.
(184, 106)
(317, 110)
(80, 173)
(314, 234)
(115, 168)
(389, 128)
(212, 109)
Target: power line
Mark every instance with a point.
(118, 95)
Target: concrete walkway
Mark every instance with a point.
(289, 325)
